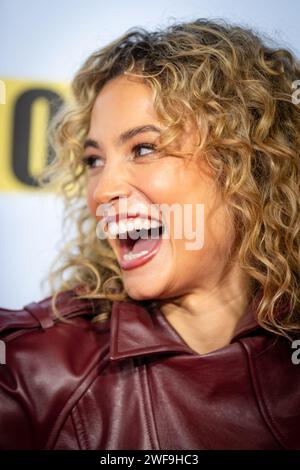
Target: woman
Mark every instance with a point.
(150, 341)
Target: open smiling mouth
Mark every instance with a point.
(138, 240)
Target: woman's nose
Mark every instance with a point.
(111, 184)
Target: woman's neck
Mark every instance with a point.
(206, 318)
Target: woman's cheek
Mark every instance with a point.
(160, 182)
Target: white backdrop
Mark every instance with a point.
(48, 40)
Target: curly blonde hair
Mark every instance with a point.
(238, 92)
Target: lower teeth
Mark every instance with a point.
(129, 256)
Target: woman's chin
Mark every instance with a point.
(141, 290)
(149, 284)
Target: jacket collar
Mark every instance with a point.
(140, 328)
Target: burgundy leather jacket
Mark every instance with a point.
(133, 383)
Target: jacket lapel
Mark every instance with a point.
(137, 330)
(140, 328)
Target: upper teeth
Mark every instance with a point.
(125, 225)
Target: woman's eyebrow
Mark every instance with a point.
(129, 134)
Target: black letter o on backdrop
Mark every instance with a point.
(21, 130)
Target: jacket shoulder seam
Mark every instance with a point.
(40, 316)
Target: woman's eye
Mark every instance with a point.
(92, 162)
(139, 149)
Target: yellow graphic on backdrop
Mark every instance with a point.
(24, 120)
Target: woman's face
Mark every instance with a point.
(118, 169)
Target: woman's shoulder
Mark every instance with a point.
(36, 334)
(41, 316)
(44, 361)
(35, 338)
